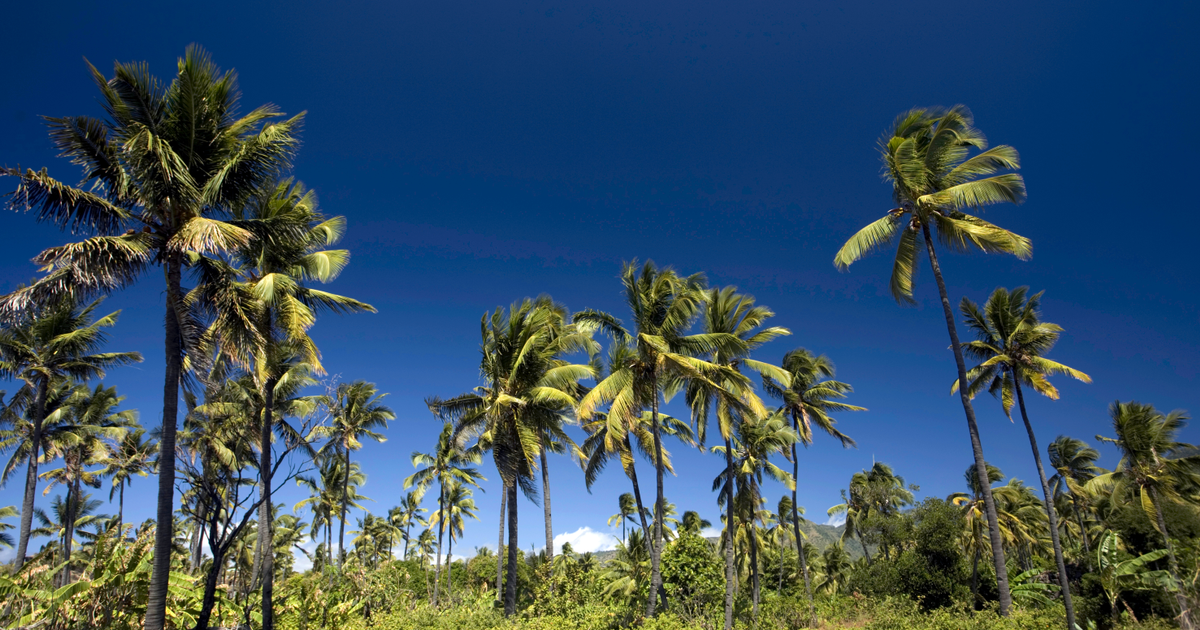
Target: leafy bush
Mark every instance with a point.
(693, 577)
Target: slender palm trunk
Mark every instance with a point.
(510, 582)
(210, 580)
(812, 607)
(31, 473)
(1087, 548)
(546, 509)
(72, 514)
(656, 545)
(975, 579)
(121, 509)
(730, 584)
(156, 605)
(449, 564)
(500, 543)
(1050, 511)
(863, 543)
(754, 567)
(345, 500)
(973, 429)
(1185, 615)
(266, 540)
(437, 567)
(637, 492)
(779, 587)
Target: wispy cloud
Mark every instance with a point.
(836, 519)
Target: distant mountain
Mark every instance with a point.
(820, 535)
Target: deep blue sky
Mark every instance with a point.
(491, 151)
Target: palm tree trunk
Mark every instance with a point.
(500, 544)
(210, 580)
(975, 579)
(73, 496)
(546, 509)
(1050, 511)
(1087, 549)
(437, 567)
(121, 509)
(265, 523)
(729, 565)
(345, 500)
(656, 545)
(863, 543)
(812, 607)
(637, 492)
(510, 582)
(754, 568)
(1185, 615)
(31, 473)
(973, 429)
(779, 587)
(449, 564)
(156, 605)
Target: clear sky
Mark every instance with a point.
(485, 152)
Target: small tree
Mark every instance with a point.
(692, 576)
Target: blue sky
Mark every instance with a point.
(485, 152)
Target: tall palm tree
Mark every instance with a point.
(1010, 343)
(457, 506)
(331, 491)
(69, 517)
(1154, 465)
(736, 317)
(972, 506)
(663, 305)
(754, 443)
(778, 530)
(406, 514)
(808, 399)
(528, 386)
(161, 170)
(130, 457)
(450, 463)
(626, 508)
(44, 346)
(927, 159)
(355, 412)
(1074, 464)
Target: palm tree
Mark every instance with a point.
(93, 417)
(663, 305)
(333, 490)
(69, 517)
(406, 514)
(808, 399)
(1011, 343)
(60, 343)
(692, 523)
(626, 508)
(754, 443)
(1154, 465)
(778, 530)
(925, 157)
(450, 463)
(7, 512)
(133, 455)
(355, 412)
(733, 316)
(626, 575)
(528, 386)
(1074, 463)
(457, 506)
(163, 168)
(834, 569)
(973, 508)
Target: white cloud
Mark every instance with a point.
(836, 519)
(710, 532)
(586, 539)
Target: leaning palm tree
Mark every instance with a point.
(925, 157)
(732, 315)
(1010, 343)
(808, 399)
(663, 305)
(529, 385)
(168, 162)
(1074, 464)
(355, 412)
(56, 344)
(449, 464)
(132, 456)
(1155, 466)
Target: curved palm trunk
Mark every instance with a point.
(1050, 512)
(656, 545)
(510, 582)
(1185, 615)
(266, 551)
(730, 581)
(812, 607)
(637, 492)
(500, 544)
(156, 604)
(973, 429)
(31, 473)
(863, 544)
(546, 509)
(210, 581)
(437, 566)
